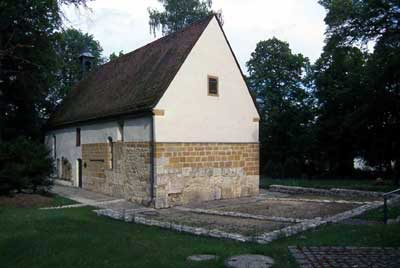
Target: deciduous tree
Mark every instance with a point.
(28, 60)
(278, 79)
(70, 43)
(114, 55)
(355, 22)
(178, 14)
(340, 90)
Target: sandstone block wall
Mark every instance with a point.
(191, 172)
(129, 177)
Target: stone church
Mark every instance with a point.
(170, 123)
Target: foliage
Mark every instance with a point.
(292, 168)
(351, 23)
(340, 90)
(178, 14)
(28, 30)
(381, 138)
(25, 165)
(279, 79)
(70, 43)
(273, 169)
(114, 56)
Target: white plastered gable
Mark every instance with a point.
(190, 114)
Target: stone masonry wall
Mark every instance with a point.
(191, 172)
(129, 177)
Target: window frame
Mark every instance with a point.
(208, 85)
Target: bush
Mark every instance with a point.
(292, 168)
(25, 165)
(273, 169)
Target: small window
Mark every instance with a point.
(213, 86)
(78, 137)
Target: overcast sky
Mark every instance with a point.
(123, 24)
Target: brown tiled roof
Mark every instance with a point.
(132, 83)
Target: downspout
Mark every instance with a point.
(152, 160)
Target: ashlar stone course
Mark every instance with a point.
(193, 172)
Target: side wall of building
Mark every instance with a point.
(206, 146)
(124, 173)
(121, 169)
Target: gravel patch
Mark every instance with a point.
(291, 208)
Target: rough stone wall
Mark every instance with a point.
(191, 172)
(129, 177)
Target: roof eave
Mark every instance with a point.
(115, 117)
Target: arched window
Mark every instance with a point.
(109, 157)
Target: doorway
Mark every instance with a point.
(79, 172)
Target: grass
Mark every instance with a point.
(62, 201)
(366, 185)
(377, 214)
(78, 238)
(25, 200)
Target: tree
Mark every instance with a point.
(70, 43)
(340, 89)
(114, 56)
(28, 30)
(178, 14)
(359, 22)
(381, 106)
(351, 21)
(24, 165)
(279, 80)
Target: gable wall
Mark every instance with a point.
(206, 147)
(193, 116)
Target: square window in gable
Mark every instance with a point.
(213, 86)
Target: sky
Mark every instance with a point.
(123, 24)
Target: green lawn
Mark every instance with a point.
(62, 201)
(366, 185)
(78, 238)
(377, 214)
